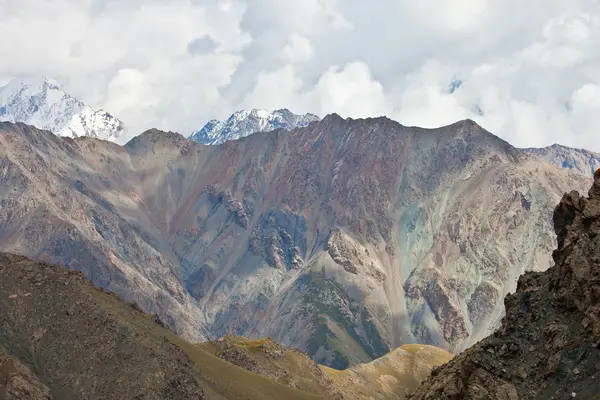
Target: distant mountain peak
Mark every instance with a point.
(580, 161)
(246, 122)
(40, 101)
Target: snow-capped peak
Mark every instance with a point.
(246, 122)
(41, 102)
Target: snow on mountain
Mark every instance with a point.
(42, 103)
(578, 160)
(247, 122)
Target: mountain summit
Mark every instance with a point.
(41, 102)
(244, 123)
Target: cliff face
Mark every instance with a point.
(549, 344)
(346, 238)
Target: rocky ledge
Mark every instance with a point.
(548, 346)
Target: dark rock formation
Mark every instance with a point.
(549, 344)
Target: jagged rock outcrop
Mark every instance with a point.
(548, 346)
(346, 238)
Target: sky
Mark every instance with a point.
(528, 71)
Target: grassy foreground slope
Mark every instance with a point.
(61, 338)
(86, 344)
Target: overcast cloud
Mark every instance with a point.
(527, 71)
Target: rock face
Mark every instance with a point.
(549, 344)
(42, 103)
(345, 239)
(246, 122)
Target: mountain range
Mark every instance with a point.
(359, 242)
(41, 102)
(345, 238)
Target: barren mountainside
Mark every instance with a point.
(548, 345)
(345, 239)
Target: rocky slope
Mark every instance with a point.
(42, 103)
(548, 345)
(580, 161)
(61, 338)
(246, 122)
(346, 238)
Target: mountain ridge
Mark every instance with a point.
(578, 160)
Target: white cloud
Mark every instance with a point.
(530, 71)
(298, 49)
(351, 91)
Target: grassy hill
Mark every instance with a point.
(75, 341)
